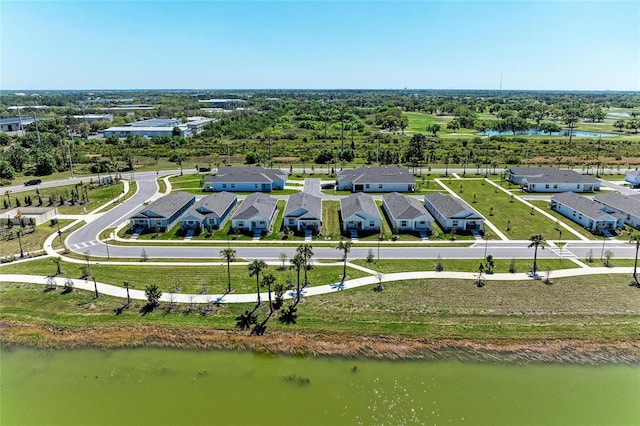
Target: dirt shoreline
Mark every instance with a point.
(570, 351)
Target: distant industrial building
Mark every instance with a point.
(159, 127)
(221, 103)
(14, 124)
(90, 118)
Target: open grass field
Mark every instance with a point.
(387, 266)
(419, 121)
(593, 308)
(522, 223)
(97, 197)
(190, 279)
(31, 242)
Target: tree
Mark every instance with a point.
(537, 240)
(345, 246)
(153, 294)
(298, 262)
(267, 280)
(415, 149)
(125, 284)
(635, 238)
(229, 254)
(6, 170)
(283, 257)
(18, 231)
(255, 268)
(45, 163)
(307, 253)
(178, 158)
(490, 263)
(434, 129)
(57, 261)
(608, 254)
(619, 124)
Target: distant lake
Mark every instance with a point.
(532, 131)
(182, 387)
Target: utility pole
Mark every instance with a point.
(69, 148)
(84, 119)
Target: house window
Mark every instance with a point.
(578, 186)
(454, 223)
(240, 224)
(262, 222)
(224, 185)
(574, 213)
(580, 216)
(380, 186)
(291, 221)
(367, 186)
(372, 224)
(555, 186)
(422, 222)
(546, 186)
(403, 223)
(233, 185)
(255, 185)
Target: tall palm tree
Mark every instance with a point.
(267, 280)
(635, 238)
(255, 268)
(298, 262)
(307, 253)
(229, 254)
(345, 246)
(536, 241)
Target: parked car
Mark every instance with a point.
(327, 186)
(32, 182)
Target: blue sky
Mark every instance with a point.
(554, 45)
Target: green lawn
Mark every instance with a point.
(190, 279)
(600, 308)
(518, 215)
(31, 242)
(331, 220)
(419, 121)
(553, 233)
(387, 266)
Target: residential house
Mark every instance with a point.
(586, 212)
(453, 213)
(250, 179)
(406, 213)
(210, 211)
(256, 213)
(303, 213)
(628, 206)
(162, 213)
(376, 179)
(548, 179)
(633, 177)
(359, 212)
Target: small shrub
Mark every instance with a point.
(439, 266)
(370, 256)
(512, 266)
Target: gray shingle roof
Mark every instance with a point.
(213, 206)
(550, 175)
(310, 204)
(376, 175)
(633, 172)
(451, 207)
(164, 207)
(256, 204)
(358, 202)
(623, 203)
(403, 207)
(228, 174)
(584, 205)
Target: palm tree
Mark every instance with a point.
(255, 268)
(307, 253)
(153, 294)
(246, 320)
(267, 280)
(536, 241)
(229, 254)
(126, 285)
(298, 262)
(18, 231)
(345, 246)
(56, 260)
(635, 238)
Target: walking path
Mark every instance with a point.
(111, 290)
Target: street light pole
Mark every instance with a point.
(106, 241)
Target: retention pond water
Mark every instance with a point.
(178, 387)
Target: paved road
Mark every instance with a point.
(85, 239)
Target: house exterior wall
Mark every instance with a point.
(374, 187)
(447, 224)
(240, 186)
(589, 223)
(560, 187)
(160, 222)
(254, 223)
(417, 224)
(302, 224)
(367, 223)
